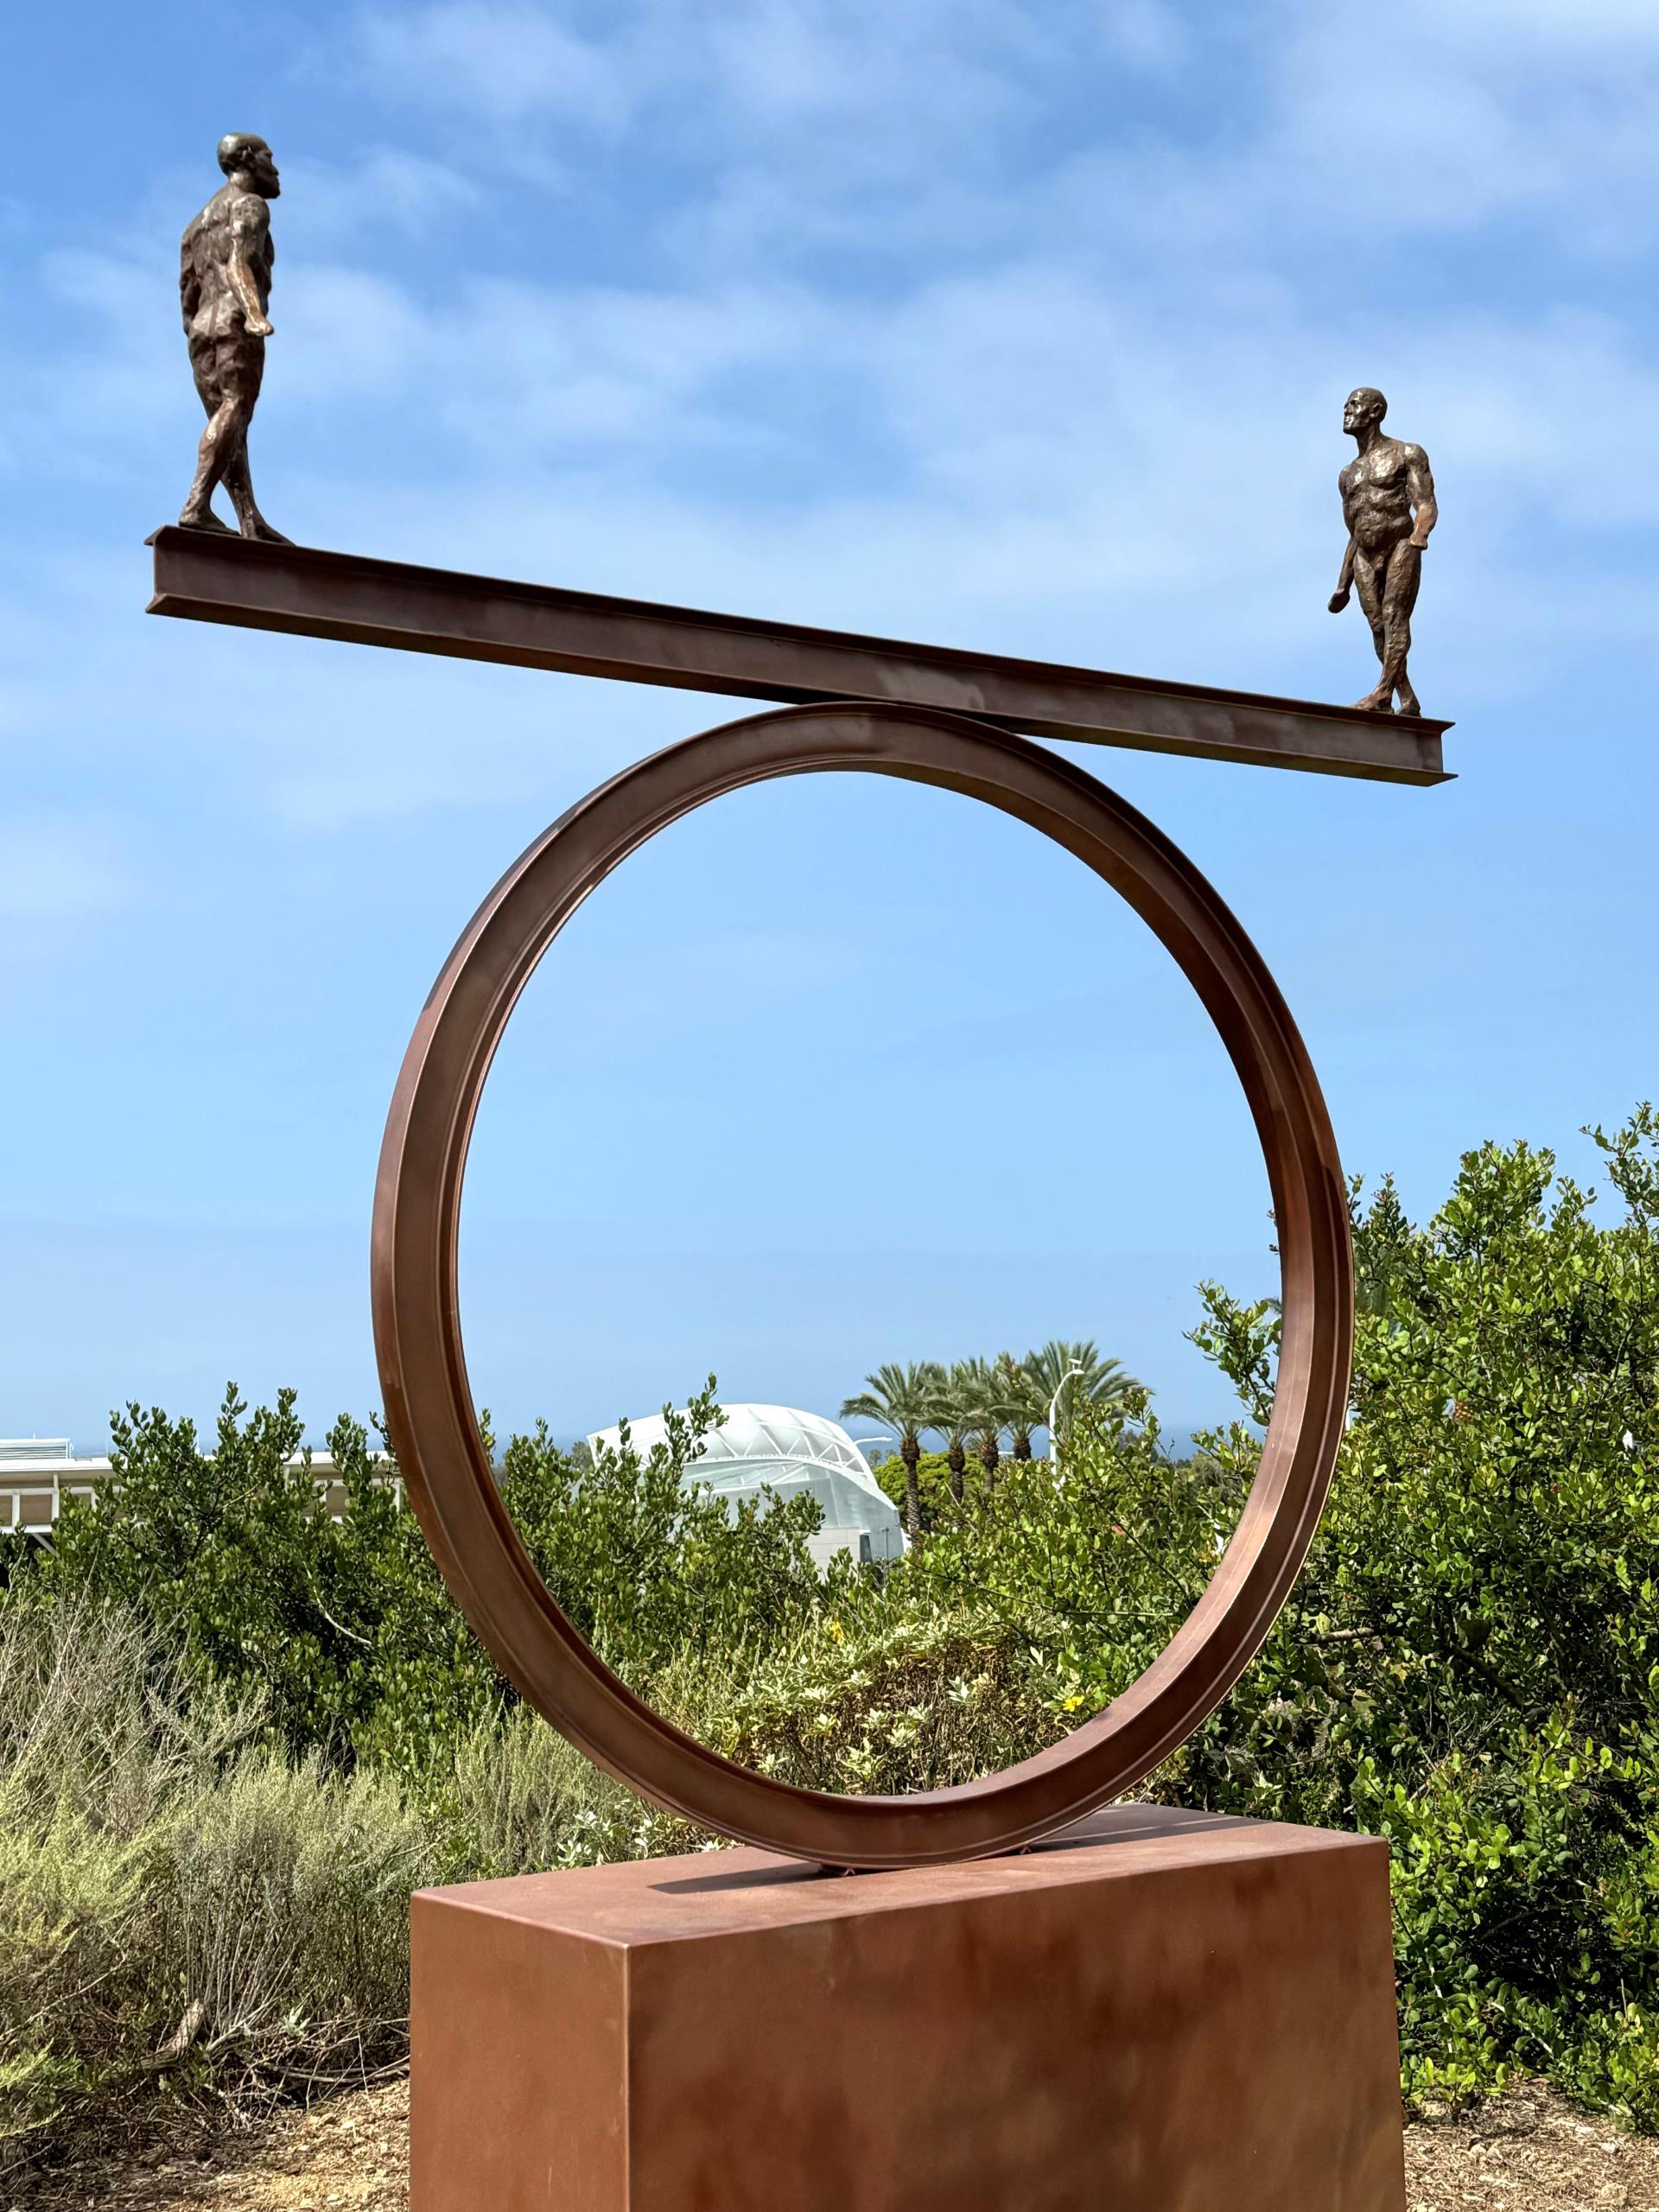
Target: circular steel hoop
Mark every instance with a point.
(429, 1405)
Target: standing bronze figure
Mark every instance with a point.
(1387, 502)
(224, 289)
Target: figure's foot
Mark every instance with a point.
(203, 518)
(256, 526)
(1409, 703)
(1375, 702)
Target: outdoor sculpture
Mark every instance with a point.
(224, 263)
(941, 717)
(1387, 502)
(1163, 2009)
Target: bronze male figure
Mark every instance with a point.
(1387, 502)
(224, 287)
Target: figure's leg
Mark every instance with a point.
(1399, 596)
(239, 482)
(1368, 582)
(238, 478)
(226, 428)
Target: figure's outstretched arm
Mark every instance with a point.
(249, 224)
(1420, 484)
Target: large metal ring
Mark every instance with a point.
(429, 1406)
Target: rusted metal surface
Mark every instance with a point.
(322, 594)
(423, 1369)
(1165, 2011)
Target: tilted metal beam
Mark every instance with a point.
(206, 577)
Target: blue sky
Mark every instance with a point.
(1025, 328)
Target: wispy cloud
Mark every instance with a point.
(502, 59)
(390, 190)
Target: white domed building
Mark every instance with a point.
(786, 1451)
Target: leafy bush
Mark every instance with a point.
(875, 1704)
(234, 1733)
(651, 1568)
(323, 1620)
(518, 1799)
(340, 1623)
(1098, 1557)
(1475, 1647)
(934, 1483)
(1469, 1662)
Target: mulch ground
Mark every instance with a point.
(1529, 2151)
(350, 2151)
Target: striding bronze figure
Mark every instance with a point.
(225, 263)
(1387, 502)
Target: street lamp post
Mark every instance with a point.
(1053, 1410)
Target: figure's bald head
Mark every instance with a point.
(1365, 407)
(241, 153)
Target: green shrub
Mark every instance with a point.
(518, 1799)
(183, 1912)
(649, 1566)
(873, 1705)
(226, 1554)
(215, 1797)
(1097, 1558)
(192, 1918)
(340, 1623)
(933, 1479)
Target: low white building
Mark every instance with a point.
(38, 1472)
(786, 1451)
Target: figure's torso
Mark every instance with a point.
(1376, 489)
(229, 218)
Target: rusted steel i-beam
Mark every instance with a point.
(208, 577)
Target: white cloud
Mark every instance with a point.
(390, 188)
(1489, 28)
(503, 59)
(1506, 112)
(859, 83)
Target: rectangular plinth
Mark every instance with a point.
(209, 577)
(1159, 2012)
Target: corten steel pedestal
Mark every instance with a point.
(1159, 2011)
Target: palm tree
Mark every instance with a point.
(1027, 1409)
(956, 1425)
(909, 1401)
(980, 1388)
(1077, 1374)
